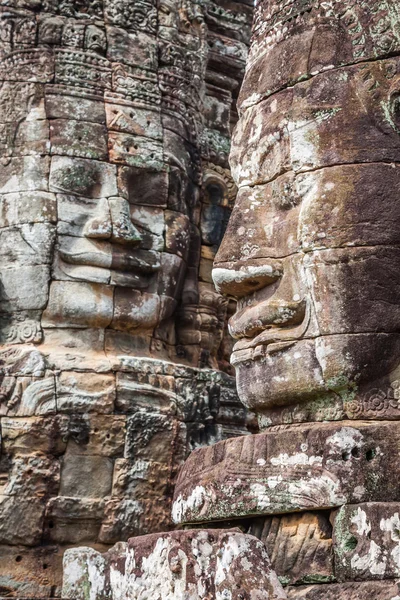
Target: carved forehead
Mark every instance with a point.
(295, 40)
(341, 206)
(341, 116)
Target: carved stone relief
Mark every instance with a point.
(115, 192)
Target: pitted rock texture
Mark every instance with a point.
(115, 192)
(366, 541)
(313, 466)
(201, 565)
(378, 590)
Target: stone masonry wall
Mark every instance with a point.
(115, 191)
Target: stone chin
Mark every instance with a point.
(294, 372)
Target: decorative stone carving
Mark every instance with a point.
(106, 382)
(313, 237)
(311, 256)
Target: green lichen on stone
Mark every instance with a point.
(284, 580)
(345, 541)
(315, 578)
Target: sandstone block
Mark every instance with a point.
(21, 521)
(31, 477)
(366, 541)
(135, 151)
(135, 311)
(84, 139)
(62, 106)
(23, 436)
(146, 393)
(132, 48)
(86, 476)
(143, 187)
(149, 435)
(28, 396)
(29, 244)
(85, 393)
(79, 304)
(100, 435)
(378, 590)
(89, 178)
(299, 546)
(177, 233)
(299, 468)
(73, 520)
(200, 564)
(24, 175)
(27, 207)
(127, 517)
(128, 118)
(30, 573)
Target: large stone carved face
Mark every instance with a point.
(312, 248)
(98, 184)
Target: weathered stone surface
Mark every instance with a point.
(115, 121)
(73, 520)
(200, 564)
(312, 238)
(296, 41)
(305, 467)
(298, 545)
(378, 590)
(311, 256)
(29, 572)
(366, 541)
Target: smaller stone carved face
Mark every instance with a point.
(118, 264)
(312, 248)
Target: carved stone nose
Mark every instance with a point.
(123, 230)
(113, 222)
(99, 226)
(241, 280)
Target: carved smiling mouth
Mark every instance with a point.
(131, 266)
(267, 327)
(141, 260)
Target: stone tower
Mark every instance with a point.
(115, 192)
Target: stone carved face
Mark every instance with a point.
(118, 253)
(312, 248)
(98, 194)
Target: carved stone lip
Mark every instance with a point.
(129, 262)
(274, 335)
(250, 321)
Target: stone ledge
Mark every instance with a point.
(312, 466)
